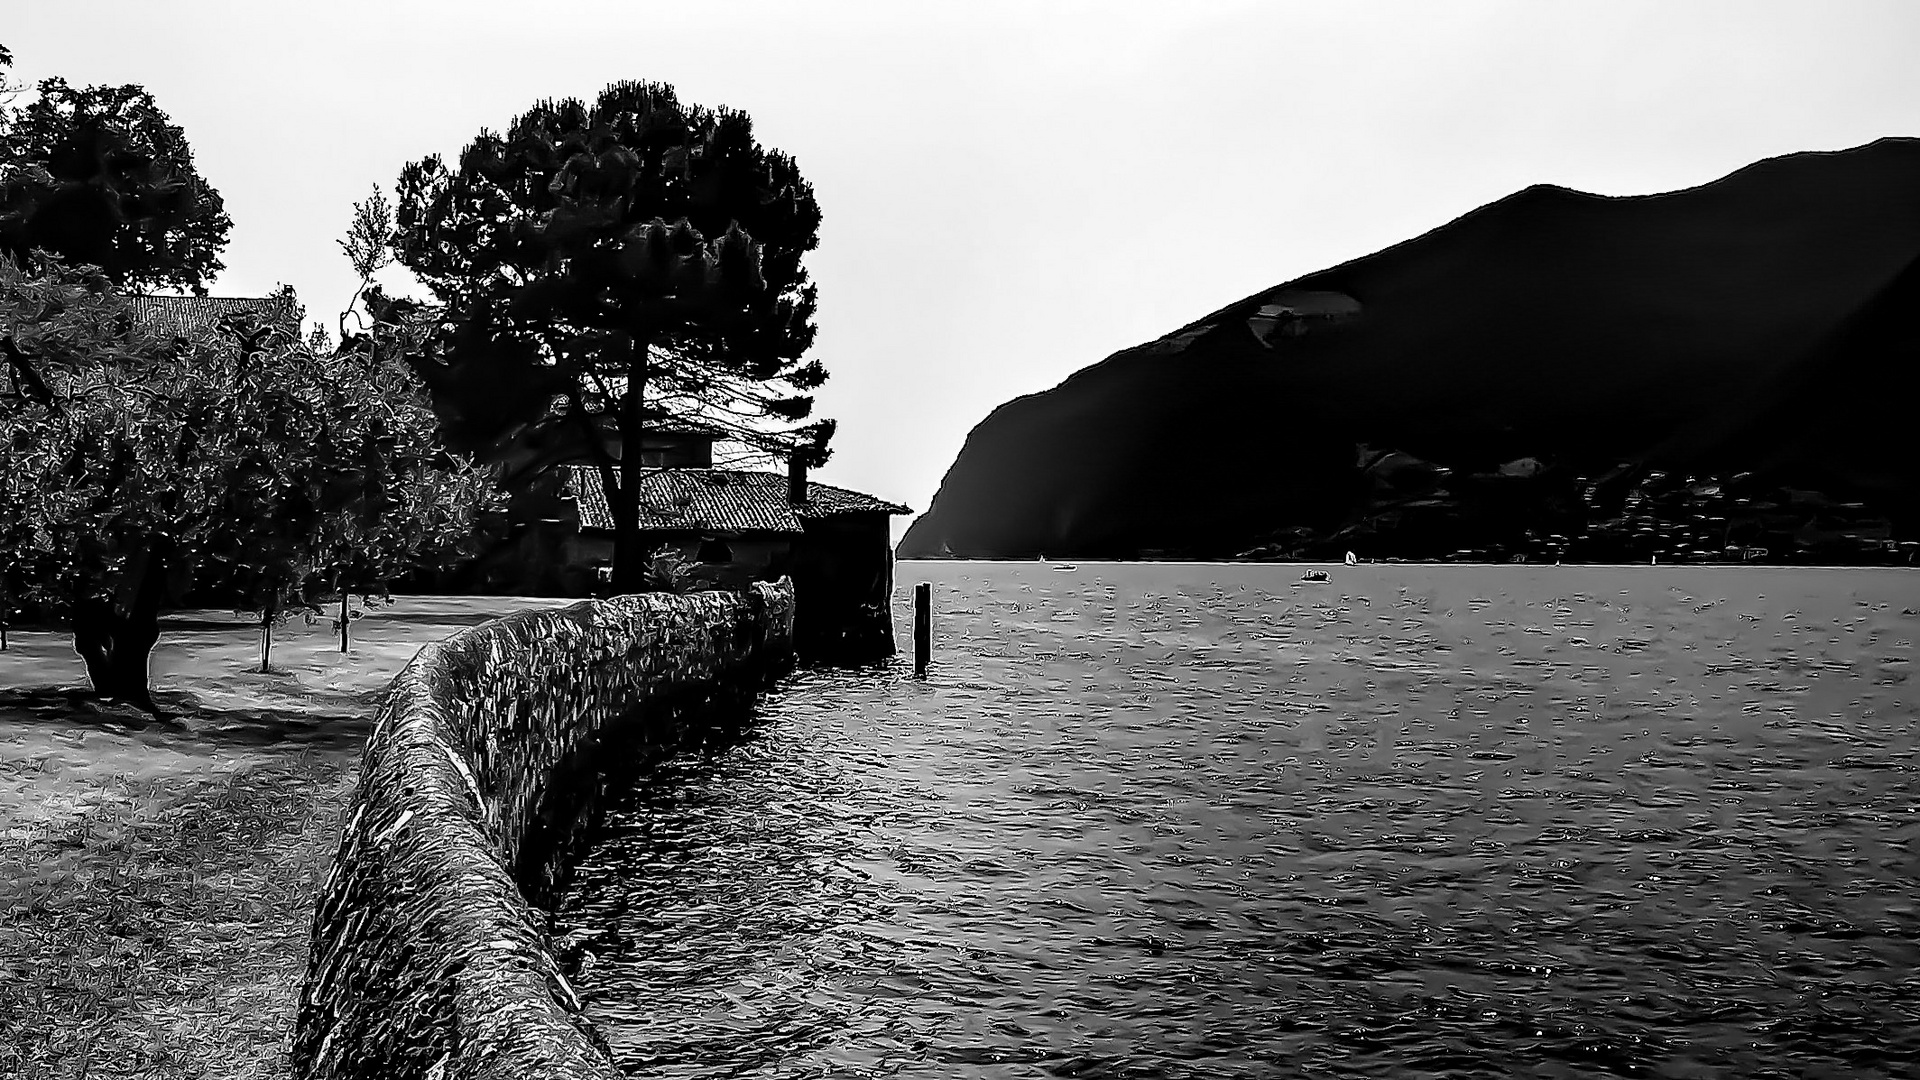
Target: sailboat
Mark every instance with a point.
(1351, 561)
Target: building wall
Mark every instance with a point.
(583, 553)
(676, 451)
(842, 570)
(428, 955)
(749, 556)
(843, 589)
(753, 558)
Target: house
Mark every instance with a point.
(180, 316)
(734, 525)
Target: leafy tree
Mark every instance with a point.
(389, 495)
(608, 267)
(7, 87)
(129, 464)
(101, 176)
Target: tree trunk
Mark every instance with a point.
(629, 549)
(116, 637)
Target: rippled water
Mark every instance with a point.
(1203, 821)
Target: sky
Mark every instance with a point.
(1010, 191)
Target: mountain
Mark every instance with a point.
(1524, 371)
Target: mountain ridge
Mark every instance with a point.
(1551, 322)
(1535, 191)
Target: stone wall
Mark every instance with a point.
(429, 953)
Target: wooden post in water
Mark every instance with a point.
(922, 626)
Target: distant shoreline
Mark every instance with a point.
(1417, 562)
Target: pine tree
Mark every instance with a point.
(602, 269)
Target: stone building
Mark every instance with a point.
(734, 526)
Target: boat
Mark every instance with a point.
(1314, 576)
(1351, 561)
(1066, 566)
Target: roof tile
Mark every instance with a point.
(182, 315)
(717, 501)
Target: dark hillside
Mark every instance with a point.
(1674, 332)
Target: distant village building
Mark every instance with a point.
(735, 525)
(1525, 467)
(1297, 312)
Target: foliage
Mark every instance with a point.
(97, 443)
(236, 455)
(671, 572)
(601, 269)
(367, 247)
(99, 175)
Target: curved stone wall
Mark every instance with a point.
(429, 954)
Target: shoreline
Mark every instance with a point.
(1416, 562)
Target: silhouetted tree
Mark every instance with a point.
(609, 267)
(101, 176)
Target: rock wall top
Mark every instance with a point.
(428, 958)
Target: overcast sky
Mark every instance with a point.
(1011, 191)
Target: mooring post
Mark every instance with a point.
(922, 626)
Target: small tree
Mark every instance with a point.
(101, 176)
(388, 499)
(129, 464)
(606, 267)
(402, 513)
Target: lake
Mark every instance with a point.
(1176, 820)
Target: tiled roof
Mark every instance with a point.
(181, 315)
(717, 501)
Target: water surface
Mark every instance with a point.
(1205, 821)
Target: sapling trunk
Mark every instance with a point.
(630, 549)
(343, 620)
(266, 635)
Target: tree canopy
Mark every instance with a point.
(101, 176)
(132, 464)
(606, 268)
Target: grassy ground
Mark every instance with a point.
(157, 879)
